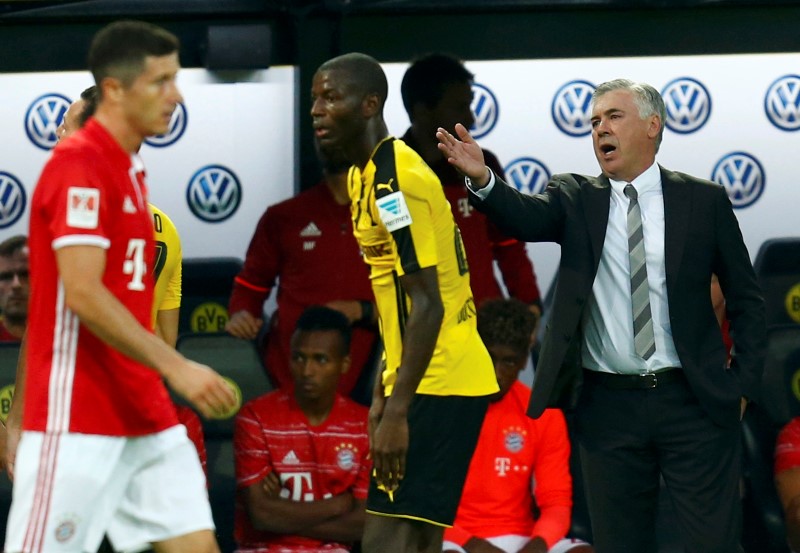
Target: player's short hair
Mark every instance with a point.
(119, 50)
(10, 246)
(90, 98)
(318, 318)
(365, 74)
(506, 322)
(427, 77)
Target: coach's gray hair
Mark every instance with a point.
(647, 99)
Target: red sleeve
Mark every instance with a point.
(511, 255)
(194, 430)
(261, 267)
(553, 482)
(250, 450)
(787, 447)
(456, 534)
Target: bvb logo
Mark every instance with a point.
(209, 317)
(6, 394)
(792, 303)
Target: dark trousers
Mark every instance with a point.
(628, 438)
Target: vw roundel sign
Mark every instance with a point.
(571, 108)
(43, 117)
(12, 199)
(177, 126)
(688, 105)
(486, 110)
(743, 177)
(528, 175)
(214, 193)
(782, 103)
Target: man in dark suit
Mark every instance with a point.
(633, 320)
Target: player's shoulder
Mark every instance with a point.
(303, 201)
(352, 410)
(266, 404)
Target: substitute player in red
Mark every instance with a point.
(101, 449)
(301, 455)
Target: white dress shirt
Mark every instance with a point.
(607, 320)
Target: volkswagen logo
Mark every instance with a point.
(571, 108)
(177, 126)
(688, 105)
(742, 176)
(43, 117)
(12, 199)
(782, 103)
(528, 175)
(214, 193)
(486, 110)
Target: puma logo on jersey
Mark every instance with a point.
(385, 185)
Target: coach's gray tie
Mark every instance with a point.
(643, 338)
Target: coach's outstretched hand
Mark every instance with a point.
(465, 154)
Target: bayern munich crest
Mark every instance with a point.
(346, 456)
(514, 439)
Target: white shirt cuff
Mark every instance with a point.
(482, 193)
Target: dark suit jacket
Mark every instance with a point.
(702, 237)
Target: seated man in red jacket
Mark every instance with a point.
(518, 494)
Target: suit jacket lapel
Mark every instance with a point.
(677, 210)
(597, 198)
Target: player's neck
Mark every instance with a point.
(128, 138)
(315, 410)
(373, 134)
(426, 144)
(337, 184)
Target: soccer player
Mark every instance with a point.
(429, 402)
(518, 493)
(13, 288)
(301, 456)
(101, 449)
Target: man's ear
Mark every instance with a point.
(111, 89)
(370, 105)
(654, 126)
(345, 364)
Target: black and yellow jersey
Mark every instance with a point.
(403, 223)
(167, 264)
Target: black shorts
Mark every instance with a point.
(443, 432)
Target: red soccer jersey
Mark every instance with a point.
(483, 242)
(307, 243)
(787, 447)
(5, 335)
(313, 462)
(514, 455)
(91, 193)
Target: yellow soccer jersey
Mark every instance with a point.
(167, 268)
(403, 223)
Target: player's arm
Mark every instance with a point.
(344, 528)
(390, 439)
(13, 426)
(81, 271)
(167, 325)
(271, 513)
(788, 484)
